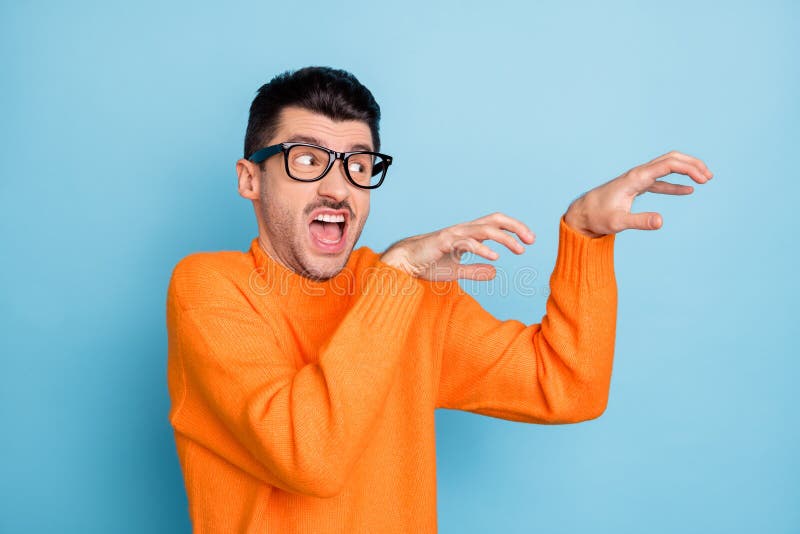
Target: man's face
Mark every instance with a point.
(288, 230)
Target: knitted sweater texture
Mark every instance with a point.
(302, 406)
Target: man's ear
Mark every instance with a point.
(249, 178)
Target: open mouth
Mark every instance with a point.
(327, 230)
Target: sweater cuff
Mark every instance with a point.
(584, 260)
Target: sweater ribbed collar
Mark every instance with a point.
(302, 297)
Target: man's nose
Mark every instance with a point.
(335, 184)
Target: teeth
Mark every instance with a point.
(326, 217)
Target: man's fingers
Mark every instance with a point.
(687, 158)
(667, 188)
(647, 220)
(476, 271)
(468, 244)
(504, 222)
(486, 231)
(649, 172)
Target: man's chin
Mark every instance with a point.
(326, 261)
(321, 268)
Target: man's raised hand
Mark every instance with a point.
(603, 210)
(437, 255)
(607, 208)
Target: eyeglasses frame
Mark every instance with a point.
(267, 152)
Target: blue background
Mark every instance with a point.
(120, 129)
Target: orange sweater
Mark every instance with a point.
(303, 406)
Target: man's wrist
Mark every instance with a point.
(576, 218)
(389, 258)
(393, 258)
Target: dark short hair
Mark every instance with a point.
(335, 93)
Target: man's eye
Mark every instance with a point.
(356, 167)
(305, 159)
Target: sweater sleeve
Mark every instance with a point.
(238, 394)
(558, 371)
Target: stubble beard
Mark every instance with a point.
(290, 244)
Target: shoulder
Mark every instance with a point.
(208, 278)
(363, 257)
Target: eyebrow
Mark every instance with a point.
(315, 141)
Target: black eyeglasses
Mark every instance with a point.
(308, 163)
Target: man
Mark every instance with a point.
(304, 374)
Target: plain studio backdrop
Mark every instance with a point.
(121, 125)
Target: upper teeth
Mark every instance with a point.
(326, 217)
